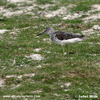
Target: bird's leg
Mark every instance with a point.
(67, 51)
(63, 52)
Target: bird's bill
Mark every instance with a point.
(41, 33)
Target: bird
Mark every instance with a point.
(62, 37)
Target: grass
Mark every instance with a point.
(11, 5)
(81, 7)
(44, 2)
(82, 70)
(3, 2)
(54, 7)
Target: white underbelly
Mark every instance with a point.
(69, 41)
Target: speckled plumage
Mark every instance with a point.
(61, 35)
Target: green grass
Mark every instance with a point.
(3, 2)
(11, 5)
(82, 69)
(44, 2)
(81, 7)
(52, 8)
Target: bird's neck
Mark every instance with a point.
(51, 32)
(52, 36)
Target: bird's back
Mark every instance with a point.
(62, 35)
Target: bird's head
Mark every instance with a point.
(48, 30)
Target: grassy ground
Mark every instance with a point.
(81, 70)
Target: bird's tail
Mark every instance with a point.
(83, 37)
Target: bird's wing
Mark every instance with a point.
(61, 35)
